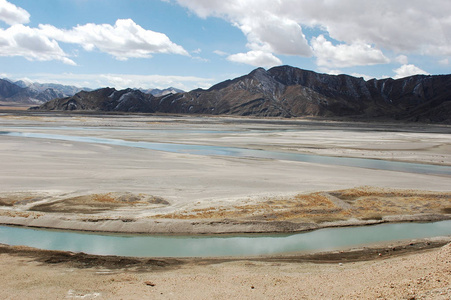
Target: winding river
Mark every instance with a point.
(214, 245)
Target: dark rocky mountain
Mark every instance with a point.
(289, 92)
(21, 92)
(106, 99)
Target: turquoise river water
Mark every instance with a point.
(218, 245)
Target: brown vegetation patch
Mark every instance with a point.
(363, 203)
(13, 199)
(369, 201)
(313, 207)
(96, 203)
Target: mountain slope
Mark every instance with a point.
(106, 99)
(291, 92)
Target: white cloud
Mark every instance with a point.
(402, 26)
(124, 40)
(11, 14)
(444, 62)
(364, 76)
(221, 53)
(120, 81)
(343, 55)
(201, 59)
(408, 70)
(256, 58)
(329, 71)
(20, 40)
(267, 32)
(271, 33)
(402, 59)
(339, 72)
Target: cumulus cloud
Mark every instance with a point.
(343, 55)
(21, 40)
(256, 58)
(402, 59)
(408, 70)
(124, 40)
(275, 34)
(267, 32)
(402, 26)
(11, 14)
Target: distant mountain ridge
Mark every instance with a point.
(33, 93)
(22, 92)
(105, 99)
(287, 91)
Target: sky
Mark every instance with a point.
(189, 44)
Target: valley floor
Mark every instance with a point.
(70, 184)
(62, 183)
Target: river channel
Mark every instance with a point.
(209, 150)
(214, 245)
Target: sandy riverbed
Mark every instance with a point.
(68, 184)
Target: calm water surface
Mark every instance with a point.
(204, 246)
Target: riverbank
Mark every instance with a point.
(401, 270)
(141, 213)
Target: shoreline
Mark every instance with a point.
(208, 227)
(364, 252)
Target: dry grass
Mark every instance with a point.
(95, 203)
(12, 199)
(362, 203)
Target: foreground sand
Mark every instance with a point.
(29, 274)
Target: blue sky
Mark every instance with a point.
(197, 43)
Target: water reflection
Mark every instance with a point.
(192, 246)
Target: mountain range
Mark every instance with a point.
(22, 92)
(286, 91)
(26, 93)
